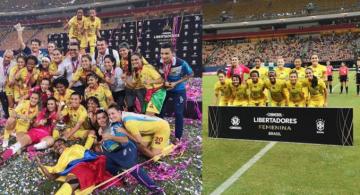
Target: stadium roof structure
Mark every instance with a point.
(280, 21)
(69, 8)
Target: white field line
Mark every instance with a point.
(219, 190)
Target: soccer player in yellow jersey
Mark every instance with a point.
(263, 72)
(100, 91)
(277, 89)
(76, 115)
(28, 76)
(85, 70)
(256, 87)
(139, 125)
(21, 118)
(282, 73)
(62, 91)
(12, 88)
(239, 92)
(76, 27)
(317, 90)
(92, 28)
(222, 89)
(295, 86)
(318, 70)
(299, 69)
(153, 82)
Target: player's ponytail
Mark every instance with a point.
(314, 82)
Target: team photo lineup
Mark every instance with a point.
(100, 110)
(279, 86)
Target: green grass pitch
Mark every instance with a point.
(288, 168)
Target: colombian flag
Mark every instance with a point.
(89, 168)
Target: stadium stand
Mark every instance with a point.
(220, 11)
(329, 47)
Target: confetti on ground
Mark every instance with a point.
(178, 173)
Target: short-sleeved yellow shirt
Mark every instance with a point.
(75, 27)
(256, 89)
(75, 116)
(102, 93)
(148, 72)
(319, 71)
(263, 72)
(277, 90)
(92, 26)
(283, 73)
(63, 98)
(300, 72)
(81, 73)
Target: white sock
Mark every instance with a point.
(41, 145)
(16, 147)
(5, 143)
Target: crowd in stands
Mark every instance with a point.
(232, 11)
(330, 47)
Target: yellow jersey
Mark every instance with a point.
(102, 93)
(277, 90)
(319, 71)
(223, 90)
(24, 109)
(75, 116)
(263, 72)
(91, 26)
(148, 73)
(300, 72)
(239, 93)
(296, 92)
(318, 91)
(256, 90)
(81, 73)
(63, 98)
(283, 73)
(76, 27)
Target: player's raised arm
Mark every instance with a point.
(19, 30)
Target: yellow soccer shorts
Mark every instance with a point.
(159, 130)
(240, 103)
(316, 102)
(83, 42)
(92, 41)
(278, 104)
(257, 102)
(223, 102)
(9, 91)
(297, 104)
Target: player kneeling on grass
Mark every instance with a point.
(21, 119)
(222, 89)
(296, 90)
(277, 89)
(120, 151)
(239, 92)
(139, 125)
(39, 134)
(256, 87)
(317, 90)
(82, 168)
(77, 115)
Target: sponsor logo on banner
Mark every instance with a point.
(235, 122)
(320, 126)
